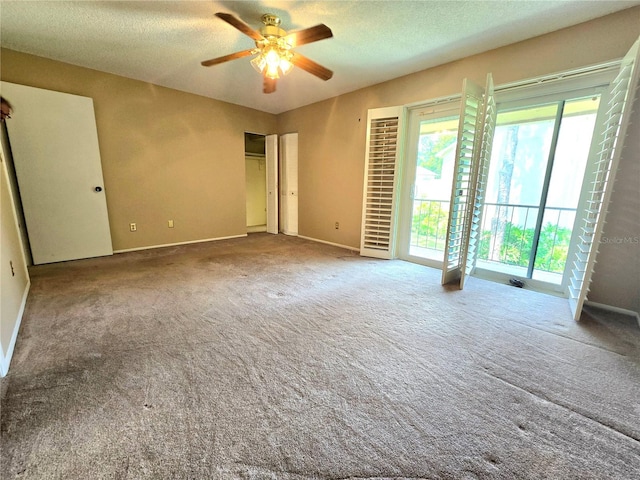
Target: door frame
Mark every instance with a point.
(441, 108)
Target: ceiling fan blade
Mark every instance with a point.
(312, 67)
(240, 25)
(269, 85)
(226, 58)
(309, 35)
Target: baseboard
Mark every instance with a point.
(330, 243)
(151, 247)
(611, 308)
(5, 360)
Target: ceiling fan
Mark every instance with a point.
(274, 47)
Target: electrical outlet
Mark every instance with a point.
(170, 223)
(133, 227)
(337, 225)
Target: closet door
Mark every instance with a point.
(271, 156)
(54, 142)
(289, 183)
(381, 178)
(463, 190)
(620, 101)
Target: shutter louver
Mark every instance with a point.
(382, 156)
(619, 105)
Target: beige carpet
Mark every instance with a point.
(271, 357)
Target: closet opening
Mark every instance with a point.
(256, 182)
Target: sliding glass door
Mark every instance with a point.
(536, 172)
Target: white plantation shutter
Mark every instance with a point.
(479, 181)
(621, 97)
(462, 193)
(382, 160)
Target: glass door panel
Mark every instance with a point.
(522, 141)
(431, 188)
(536, 172)
(570, 161)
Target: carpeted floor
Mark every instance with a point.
(271, 357)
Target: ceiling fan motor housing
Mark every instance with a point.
(271, 26)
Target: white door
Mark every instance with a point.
(289, 183)
(54, 142)
(271, 153)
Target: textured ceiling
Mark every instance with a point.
(163, 42)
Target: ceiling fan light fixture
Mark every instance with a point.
(273, 61)
(273, 46)
(272, 56)
(259, 63)
(285, 65)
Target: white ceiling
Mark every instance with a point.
(163, 42)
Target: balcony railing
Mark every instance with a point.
(429, 223)
(507, 233)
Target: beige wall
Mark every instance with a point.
(332, 133)
(166, 155)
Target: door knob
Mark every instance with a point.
(98, 189)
